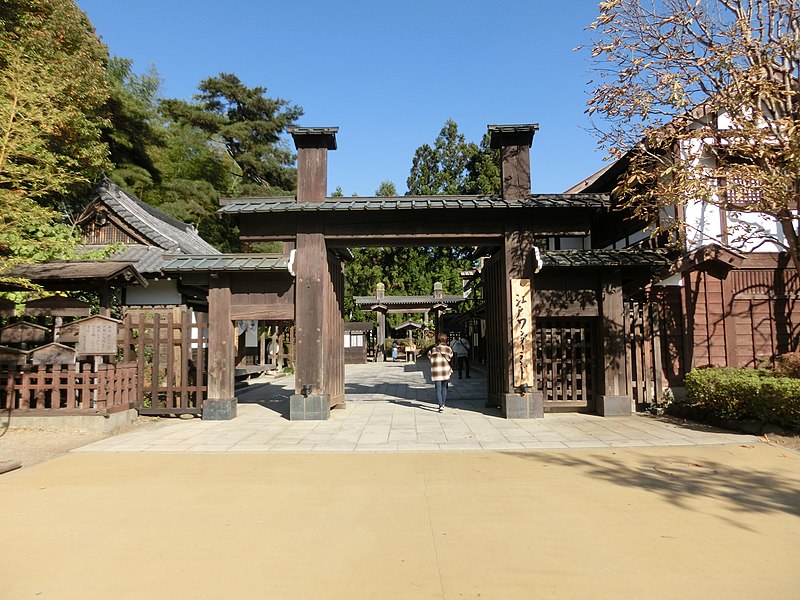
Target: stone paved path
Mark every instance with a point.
(391, 407)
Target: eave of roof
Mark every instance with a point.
(184, 263)
(605, 258)
(537, 201)
(80, 270)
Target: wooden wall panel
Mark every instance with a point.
(747, 319)
(496, 319)
(334, 322)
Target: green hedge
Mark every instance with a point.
(731, 393)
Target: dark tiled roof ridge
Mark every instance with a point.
(356, 199)
(535, 201)
(161, 229)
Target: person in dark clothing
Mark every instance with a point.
(461, 348)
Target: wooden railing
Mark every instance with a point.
(68, 389)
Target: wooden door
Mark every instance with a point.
(566, 362)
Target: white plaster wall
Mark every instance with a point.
(158, 292)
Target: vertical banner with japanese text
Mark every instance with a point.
(522, 331)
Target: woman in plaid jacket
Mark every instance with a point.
(440, 356)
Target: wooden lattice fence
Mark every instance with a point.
(68, 389)
(170, 347)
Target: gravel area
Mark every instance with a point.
(30, 446)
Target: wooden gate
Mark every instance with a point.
(654, 345)
(170, 346)
(566, 362)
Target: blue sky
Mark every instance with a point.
(387, 74)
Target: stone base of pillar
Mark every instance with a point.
(614, 406)
(523, 406)
(311, 408)
(219, 410)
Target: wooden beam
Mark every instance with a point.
(274, 312)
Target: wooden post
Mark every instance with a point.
(309, 311)
(521, 400)
(221, 403)
(613, 402)
(313, 280)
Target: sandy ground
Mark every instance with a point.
(692, 523)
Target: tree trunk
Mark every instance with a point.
(792, 238)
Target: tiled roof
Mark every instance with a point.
(407, 300)
(158, 227)
(536, 201)
(605, 258)
(225, 262)
(146, 259)
(79, 270)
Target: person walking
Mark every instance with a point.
(440, 356)
(461, 348)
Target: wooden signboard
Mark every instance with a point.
(23, 333)
(68, 334)
(53, 354)
(12, 356)
(522, 331)
(97, 335)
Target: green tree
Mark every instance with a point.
(442, 168)
(484, 170)
(386, 190)
(52, 90)
(703, 98)
(247, 124)
(135, 128)
(50, 124)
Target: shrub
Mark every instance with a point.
(724, 391)
(778, 402)
(788, 365)
(731, 393)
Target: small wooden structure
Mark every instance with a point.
(357, 341)
(12, 356)
(436, 304)
(49, 380)
(53, 354)
(23, 334)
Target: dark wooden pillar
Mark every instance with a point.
(380, 309)
(318, 318)
(105, 301)
(614, 400)
(310, 266)
(521, 399)
(220, 404)
(514, 143)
